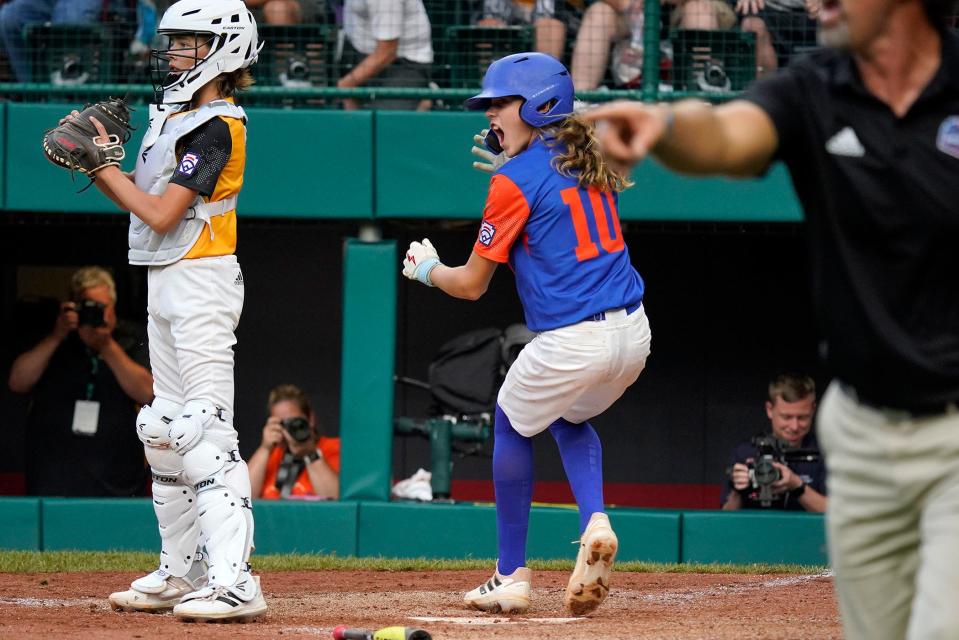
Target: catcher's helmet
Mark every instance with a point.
(232, 38)
(535, 77)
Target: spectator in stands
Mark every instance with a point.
(85, 380)
(16, 15)
(781, 26)
(607, 22)
(278, 12)
(550, 19)
(388, 44)
(294, 460)
(802, 474)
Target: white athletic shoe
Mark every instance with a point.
(589, 584)
(502, 594)
(158, 591)
(240, 603)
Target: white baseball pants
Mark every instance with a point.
(575, 372)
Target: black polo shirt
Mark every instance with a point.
(62, 463)
(881, 197)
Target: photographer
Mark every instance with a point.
(294, 460)
(784, 469)
(85, 380)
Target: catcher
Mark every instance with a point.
(182, 197)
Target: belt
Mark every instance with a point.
(915, 411)
(602, 314)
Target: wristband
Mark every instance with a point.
(312, 457)
(798, 491)
(424, 269)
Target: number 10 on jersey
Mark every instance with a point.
(585, 246)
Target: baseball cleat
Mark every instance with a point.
(239, 603)
(153, 593)
(589, 584)
(502, 594)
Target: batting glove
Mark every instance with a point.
(421, 258)
(490, 161)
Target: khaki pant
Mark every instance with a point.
(893, 518)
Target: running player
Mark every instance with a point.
(182, 198)
(551, 214)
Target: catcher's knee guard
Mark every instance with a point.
(175, 505)
(225, 511)
(186, 429)
(153, 422)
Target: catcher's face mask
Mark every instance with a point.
(186, 53)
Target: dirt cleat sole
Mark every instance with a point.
(157, 592)
(589, 583)
(502, 594)
(220, 604)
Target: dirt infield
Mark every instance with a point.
(308, 604)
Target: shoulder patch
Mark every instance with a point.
(188, 164)
(947, 139)
(486, 233)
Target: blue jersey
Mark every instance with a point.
(563, 242)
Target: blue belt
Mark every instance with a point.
(602, 314)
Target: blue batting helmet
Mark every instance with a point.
(535, 77)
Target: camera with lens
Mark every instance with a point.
(90, 313)
(298, 428)
(711, 76)
(762, 472)
(296, 74)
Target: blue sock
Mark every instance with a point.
(582, 456)
(513, 482)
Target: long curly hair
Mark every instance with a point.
(582, 157)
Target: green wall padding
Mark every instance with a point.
(21, 524)
(660, 194)
(305, 527)
(391, 163)
(465, 530)
(32, 182)
(410, 530)
(366, 383)
(308, 164)
(284, 177)
(424, 166)
(423, 170)
(122, 524)
(746, 536)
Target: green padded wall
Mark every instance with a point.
(423, 170)
(388, 164)
(21, 524)
(424, 165)
(122, 524)
(283, 177)
(746, 536)
(325, 528)
(466, 530)
(32, 182)
(366, 383)
(660, 194)
(410, 530)
(308, 164)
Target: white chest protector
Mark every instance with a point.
(155, 165)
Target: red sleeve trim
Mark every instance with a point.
(504, 218)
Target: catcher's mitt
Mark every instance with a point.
(76, 144)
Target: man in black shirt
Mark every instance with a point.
(85, 382)
(801, 483)
(869, 129)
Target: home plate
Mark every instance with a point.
(487, 620)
